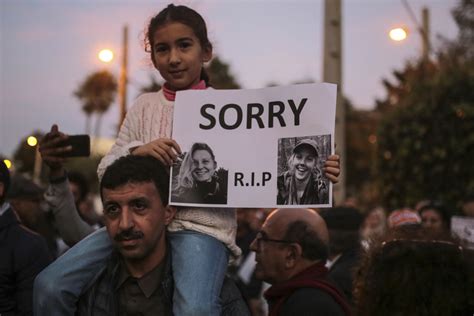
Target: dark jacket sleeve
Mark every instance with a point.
(32, 255)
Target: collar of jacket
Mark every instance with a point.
(8, 218)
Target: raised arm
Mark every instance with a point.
(59, 197)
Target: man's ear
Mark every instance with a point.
(170, 211)
(293, 255)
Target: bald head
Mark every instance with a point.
(303, 226)
(288, 216)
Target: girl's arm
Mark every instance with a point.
(131, 141)
(128, 138)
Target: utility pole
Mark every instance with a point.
(333, 73)
(123, 78)
(425, 33)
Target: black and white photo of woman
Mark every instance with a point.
(198, 180)
(302, 183)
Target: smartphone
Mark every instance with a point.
(81, 146)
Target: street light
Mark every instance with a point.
(32, 141)
(8, 163)
(398, 34)
(106, 55)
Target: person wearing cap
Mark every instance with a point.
(404, 218)
(23, 254)
(26, 198)
(303, 183)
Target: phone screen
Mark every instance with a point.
(81, 146)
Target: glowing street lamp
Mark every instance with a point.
(8, 163)
(398, 34)
(32, 141)
(106, 55)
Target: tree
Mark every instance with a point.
(97, 93)
(426, 138)
(220, 75)
(361, 150)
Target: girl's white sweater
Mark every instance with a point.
(151, 117)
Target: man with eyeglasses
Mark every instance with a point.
(291, 251)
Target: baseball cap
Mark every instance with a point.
(308, 142)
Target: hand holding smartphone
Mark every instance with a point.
(55, 146)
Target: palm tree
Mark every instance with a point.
(97, 93)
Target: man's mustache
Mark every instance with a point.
(128, 235)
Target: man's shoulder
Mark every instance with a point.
(311, 301)
(23, 237)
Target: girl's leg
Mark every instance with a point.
(199, 265)
(58, 287)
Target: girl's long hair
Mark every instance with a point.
(185, 176)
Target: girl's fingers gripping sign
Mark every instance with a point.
(163, 149)
(332, 169)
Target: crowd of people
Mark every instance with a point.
(152, 258)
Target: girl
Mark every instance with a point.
(202, 239)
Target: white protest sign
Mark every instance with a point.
(463, 228)
(254, 148)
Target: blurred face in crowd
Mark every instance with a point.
(136, 219)
(304, 161)
(28, 209)
(76, 192)
(204, 166)
(431, 219)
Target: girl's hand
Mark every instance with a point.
(165, 150)
(331, 168)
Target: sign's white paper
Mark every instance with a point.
(254, 148)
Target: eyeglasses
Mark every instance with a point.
(261, 237)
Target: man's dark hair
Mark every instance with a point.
(314, 248)
(137, 169)
(5, 179)
(343, 224)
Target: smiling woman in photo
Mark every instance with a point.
(302, 183)
(198, 181)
